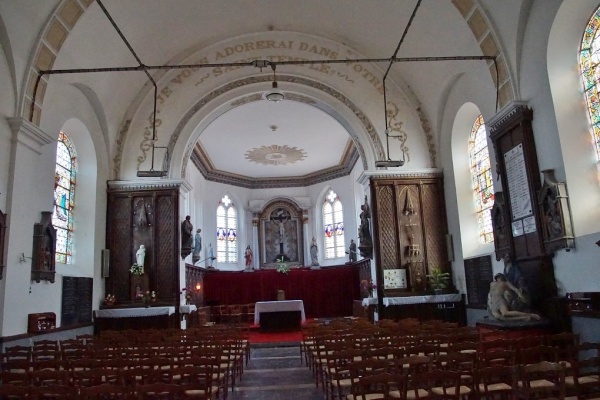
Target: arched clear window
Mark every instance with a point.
(226, 231)
(333, 222)
(64, 196)
(589, 57)
(481, 175)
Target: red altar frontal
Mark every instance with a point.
(326, 292)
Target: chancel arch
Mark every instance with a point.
(190, 99)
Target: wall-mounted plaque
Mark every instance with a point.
(76, 300)
(479, 275)
(518, 185)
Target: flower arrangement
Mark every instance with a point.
(188, 294)
(147, 296)
(136, 270)
(110, 299)
(282, 267)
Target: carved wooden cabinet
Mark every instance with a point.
(43, 264)
(409, 217)
(138, 216)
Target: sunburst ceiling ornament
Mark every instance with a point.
(275, 155)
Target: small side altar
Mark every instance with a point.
(139, 318)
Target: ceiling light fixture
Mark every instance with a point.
(275, 95)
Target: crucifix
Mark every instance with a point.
(280, 220)
(414, 250)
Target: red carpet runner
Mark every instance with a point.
(275, 337)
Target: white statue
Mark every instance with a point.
(140, 255)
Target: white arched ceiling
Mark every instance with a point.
(163, 33)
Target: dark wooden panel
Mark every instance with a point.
(76, 300)
(149, 217)
(478, 275)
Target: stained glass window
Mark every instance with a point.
(481, 175)
(589, 57)
(226, 231)
(64, 195)
(333, 221)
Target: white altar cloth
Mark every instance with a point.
(187, 308)
(369, 301)
(434, 298)
(277, 306)
(134, 312)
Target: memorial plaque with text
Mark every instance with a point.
(76, 300)
(479, 275)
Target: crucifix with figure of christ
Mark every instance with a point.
(280, 220)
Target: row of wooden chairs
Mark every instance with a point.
(130, 373)
(151, 391)
(543, 380)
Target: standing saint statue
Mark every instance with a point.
(211, 256)
(364, 231)
(197, 246)
(140, 255)
(248, 256)
(352, 251)
(187, 241)
(314, 253)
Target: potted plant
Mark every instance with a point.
(438, 279)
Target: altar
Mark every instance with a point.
(279, 315)
(139, 318)
(448, 307)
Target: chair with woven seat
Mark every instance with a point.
(378, 386)
(160, 390)
(55, 392)
(584, 379)
(435, 384)
(495, 382)
(543, 380)
(15, 392)
(495, 357)
(105, 391)
(196, 380)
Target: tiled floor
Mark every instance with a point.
(275, 373)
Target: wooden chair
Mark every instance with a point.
(196, 380)
(378, 386)
(49, 377)
(533, 355)
(20, 378)
(105, 391)
(543, 380)
(584, 380)
(464, 364)
(86, 339)
(337, 380)
(160, 390)
(436, 384)
(495, 357)
(90, 377)
(15, 392)
(55, 392)
(495, 382)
